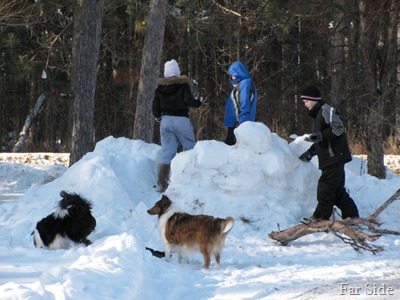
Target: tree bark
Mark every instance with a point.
(337, 61)
(392, 84)
(153, 43)
(85, 54)
(374, 141)
(373, 63)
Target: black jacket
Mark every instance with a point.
(334, 147)
(173, 96)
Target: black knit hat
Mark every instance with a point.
(311, 93)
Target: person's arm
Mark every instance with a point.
(244, 96)
(331, 118)
(308, 155)
(189, 99)
(156, 106)
(312, 150)
(334, 129)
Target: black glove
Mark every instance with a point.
(158, 119)
(314, 137)
(306, 156)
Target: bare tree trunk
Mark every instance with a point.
(85, 53)
(373, 61)
(394, 64)
(337, 62)
(375, 140)
(397, 106)
(153, 43)
(28, 122)
(397, 101)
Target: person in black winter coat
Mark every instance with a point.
(331, 146)
(171, 103)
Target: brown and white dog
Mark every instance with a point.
(184, 232)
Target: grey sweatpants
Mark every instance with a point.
(175, 131)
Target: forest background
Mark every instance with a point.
(348, 48)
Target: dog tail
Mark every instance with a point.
(73, 205)
(227, 225)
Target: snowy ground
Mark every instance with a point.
(259, 180)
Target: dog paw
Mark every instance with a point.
(86, 242)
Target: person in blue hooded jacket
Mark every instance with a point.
(242, 101)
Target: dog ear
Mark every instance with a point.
(165, 202)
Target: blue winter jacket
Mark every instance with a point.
(242, 101)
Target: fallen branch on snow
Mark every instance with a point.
(355, 232)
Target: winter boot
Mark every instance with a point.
(163, 176)
(310, 220)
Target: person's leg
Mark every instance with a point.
(169, 142)
(184, 132)
(344, 202)
(162, 177)
(230, 137)
(169, 146)
(328, 184)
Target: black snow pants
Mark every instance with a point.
(230, 137)
(332, 192)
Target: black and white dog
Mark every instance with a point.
(71, 222)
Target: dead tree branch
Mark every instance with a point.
(393, 198)
(28, 123)
(355, 232)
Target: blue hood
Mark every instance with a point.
(238, 70)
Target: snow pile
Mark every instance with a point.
(260, 182)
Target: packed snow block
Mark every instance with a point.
(183, 167)
(126, 147)
(211, 154)
(274, 163)
(205, 159)
(259, 158)
(253, 136)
